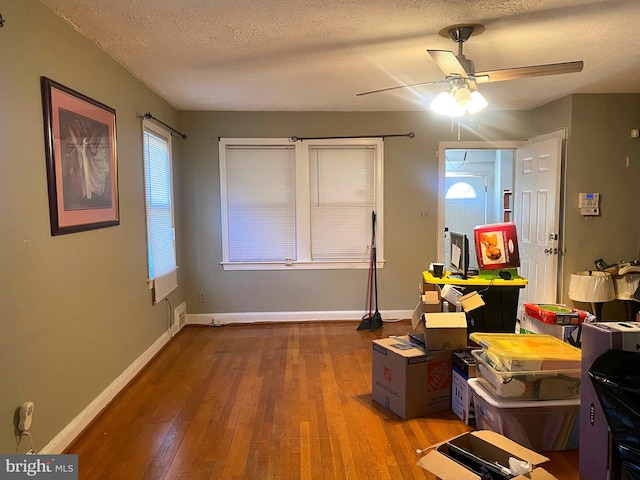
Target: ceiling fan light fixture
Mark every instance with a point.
(462, 96)
(456, 101)
(445, 104)
(477, 103)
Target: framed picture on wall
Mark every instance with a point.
(80, 150)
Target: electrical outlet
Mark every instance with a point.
(202, 298)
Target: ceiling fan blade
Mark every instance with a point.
(524, 72)
(448, 63)
(437, 82)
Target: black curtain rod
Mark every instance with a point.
(410, 135)
(149, 116)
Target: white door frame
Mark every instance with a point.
(442, 147)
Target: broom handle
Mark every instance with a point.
(375, 259)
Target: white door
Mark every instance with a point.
(537, 217)
(465, 208)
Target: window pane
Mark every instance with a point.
(261, 194)
(342, 187)
(160, 233)
(461, 190)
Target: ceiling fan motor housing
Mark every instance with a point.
(467, 64)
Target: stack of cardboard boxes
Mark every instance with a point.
(427, 371)
(412, 375)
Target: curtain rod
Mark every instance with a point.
(148, 115)
(410, 135)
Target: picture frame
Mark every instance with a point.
(81, 159)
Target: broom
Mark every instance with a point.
(376, 319)
(365, 323)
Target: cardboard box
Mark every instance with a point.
(408, 381)
(487, 445)
(429, 287)
(555, 313)
(451, 294)
(566, 333)
(445, 330)
(463, 368)
(429, 303)
(597, 451)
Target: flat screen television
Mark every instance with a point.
(459, 254)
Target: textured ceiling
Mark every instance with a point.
(313, 55)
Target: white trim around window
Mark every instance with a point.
(300, 205)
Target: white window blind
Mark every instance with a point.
(159, 206)
(300, 204)
(261, 196)
(342, 183)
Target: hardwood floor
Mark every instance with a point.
(264, 401)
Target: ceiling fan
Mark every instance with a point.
(462, 78)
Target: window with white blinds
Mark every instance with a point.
(342, 182)
(159, 207)
(300, 205)
(261, 199)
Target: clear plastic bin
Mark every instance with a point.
(541, 426)
(517, 352)
(532, 385)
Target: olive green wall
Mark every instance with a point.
(599, 142)
(410, 187)
(76, 311)
(598, 128)
(599, 145)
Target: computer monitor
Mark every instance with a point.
(459, 258)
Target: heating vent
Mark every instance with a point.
(179, 316)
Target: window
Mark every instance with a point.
(460, 190)
(159, 204)
(300, 204)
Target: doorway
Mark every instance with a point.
(474, 178)
(532, 172)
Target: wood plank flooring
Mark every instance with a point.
(264, 401)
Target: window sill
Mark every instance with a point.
(299, 265)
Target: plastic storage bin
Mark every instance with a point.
(532, 385)
(516, 352)
(542, 425)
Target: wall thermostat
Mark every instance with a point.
(589, 204)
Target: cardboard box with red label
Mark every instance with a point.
(408, 381)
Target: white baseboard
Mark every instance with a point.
(69, 433)
(219, 319)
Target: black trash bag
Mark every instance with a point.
(615, 376)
